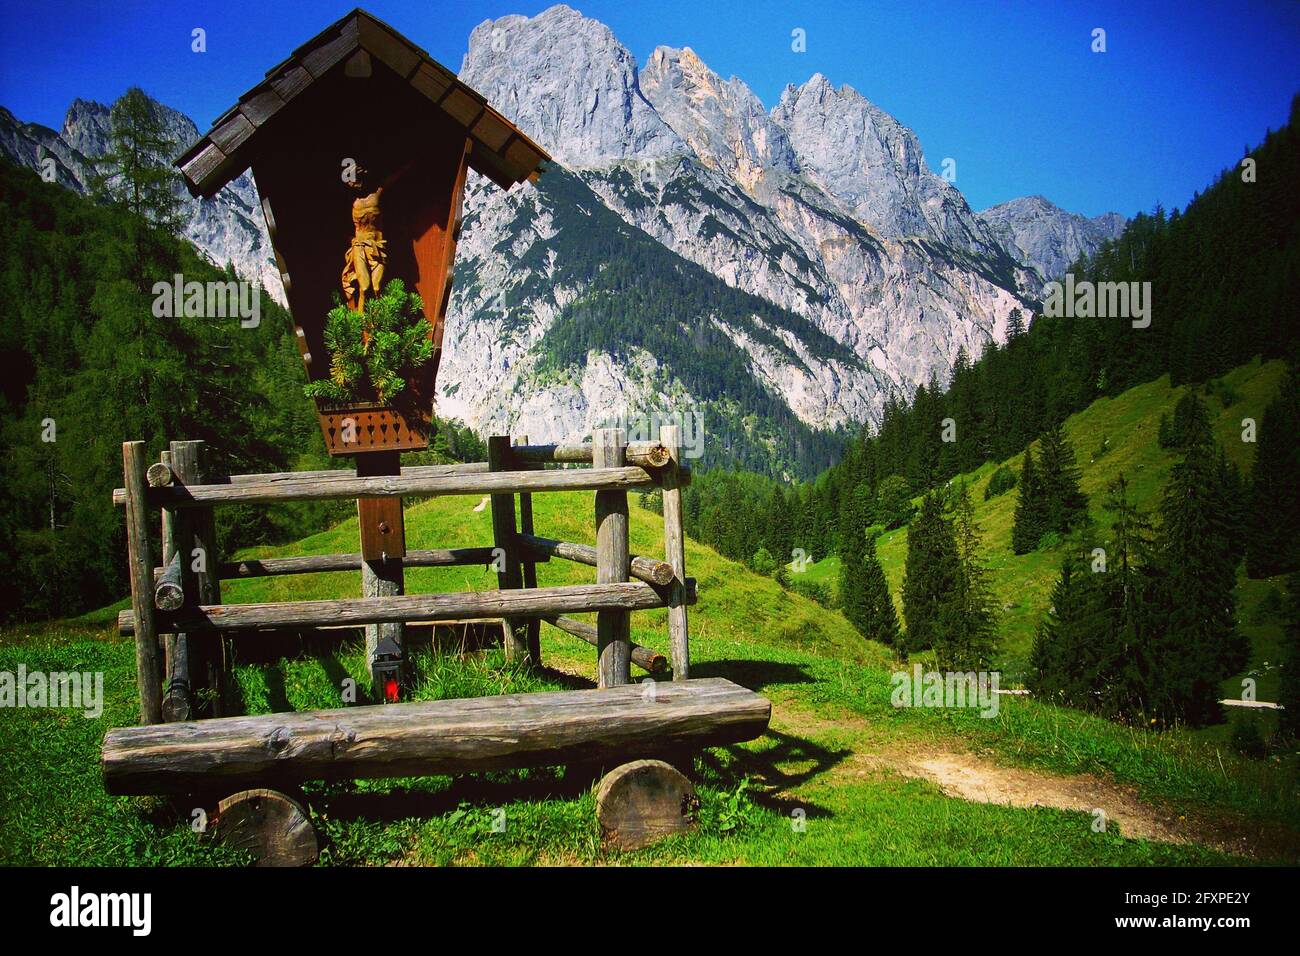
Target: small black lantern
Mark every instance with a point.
(386, 670)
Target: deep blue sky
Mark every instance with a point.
(1010, 90)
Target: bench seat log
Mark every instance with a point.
(434, 737)
(522, 602)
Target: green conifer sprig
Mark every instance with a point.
(373, 355)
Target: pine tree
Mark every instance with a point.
(1189, 426)
(1132, 543)
(1015, 325)
(967, 636)
(1056, 659)
(1065, 506)
(1289, 695)
(931, 572)
(853, 549)
(881, 617)
(1200, 645)
(1273, 528)
(1031, 512)
(135, 173)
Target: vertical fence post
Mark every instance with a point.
(675, 553)
(613, 628)
(140, 568)
(503, 537)
(176, 658)
(208, 651)
(529, 567)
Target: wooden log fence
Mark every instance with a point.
(619, 597)
(180, 598)
(290, 487)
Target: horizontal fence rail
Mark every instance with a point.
(522, 602)
(643, 657)
(650, 570)
(649, 454)
(291, 487)
(322, 563)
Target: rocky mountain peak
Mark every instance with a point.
(722, 121)
(567, 80)
(1046, 237)
(874, 164)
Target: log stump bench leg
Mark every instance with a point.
(642, 802)
(271, 825)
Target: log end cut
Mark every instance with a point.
(642, 802)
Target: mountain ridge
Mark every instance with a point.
(821, 206)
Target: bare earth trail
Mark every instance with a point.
(871, 751)
(962, 774)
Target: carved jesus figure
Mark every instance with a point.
(363, 263)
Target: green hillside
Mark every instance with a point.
(1111, 436)
(837, 750)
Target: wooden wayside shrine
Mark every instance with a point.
(358, 90)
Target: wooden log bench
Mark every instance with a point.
(615, 724)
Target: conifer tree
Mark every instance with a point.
(1200, 645)
(1273, 530)
(1031, 513)
(853, 547)
(135, 173)
(1056, 671)
(967, 636)
(1065, 506)
(882, 617)
(931, 573)
(1289, 695)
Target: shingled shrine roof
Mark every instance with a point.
(500, 151)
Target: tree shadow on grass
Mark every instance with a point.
(780, 763)
(426, 797)
(756, 675)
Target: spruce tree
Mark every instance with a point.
(873, 612)
(967, 635)
(1031, 513)
(1273, 528)
(1055, 671)
(1065, 506)
(1200, 645)
(852, 578)
(931, 574)
(1289, 695)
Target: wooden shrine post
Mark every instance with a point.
(613, 628)
(383, 546)
(360, 145)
